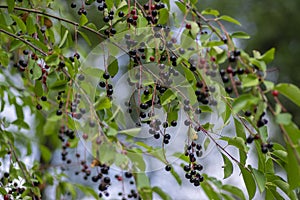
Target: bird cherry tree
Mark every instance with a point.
(164, 78)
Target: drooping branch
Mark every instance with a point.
(24, 41)
(56, 17)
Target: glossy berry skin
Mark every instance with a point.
(248, 113)
(39, 107)
(58, 112)
(102, 84)
(152, 58)
(174, 123)
(249, 139)
(275, 93)
(156, 135)
(187, 168)
(188, 26)
(121, 14)
(168, 168)
(44, 98)
(100, 8)
(106, 19)
(106, 75)
(264, 149)
(128, 174)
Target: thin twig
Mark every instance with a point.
(24, 41)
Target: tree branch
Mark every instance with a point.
(24, 41)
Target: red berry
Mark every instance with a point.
(229, 70)
(275, 93)
(152, 59)
(133, 12)
(134, 17)
(188, 26)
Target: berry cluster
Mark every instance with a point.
(13, 188)
(193, 169)
(106, 85)
(152, 11)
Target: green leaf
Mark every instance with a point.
(243, 101)
(294, 133)
(161, 193)
(268, 56)
(121, 160)
(181, 6)
(142, 180)
(110, 4)
(213, 43)
(194, 30)
(240, 132)
(94, 72)
(30, 25)
(45, 153)
(107, 153)
(181, 156)
(237, 142)
(210, 12)
(19, 112)
(87, 190)
(249, 182)
(70, 189)
(293, 168)
(249, 80)
(167, 97)
(176, 176)
(49, 127)
(132, 132)
(239, 129)
(4, 58)
(240, 34)
(258, 63)
(228, 167)
(37, 71)
(52, 59)
(111, 132)
(58, 85)
(229, 19)
(39, 44)
(83, 20)
(15, 44)
(21, 124)
(85, 37)
(102, 103)
(284, 118)
(260, 179)
(137, 159)
(285, 188)
(290, 91)
(113, 66)
(280, 154)
(163, 16)
(10, 5)
(234, 190)
(63, 40)
(209, 191)
(2, 190)
(19, 22)
(226, 197)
